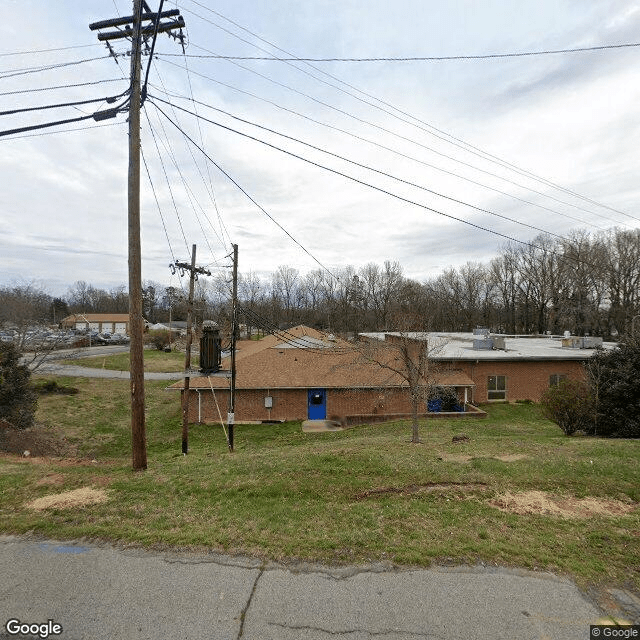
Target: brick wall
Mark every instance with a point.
(524, 380)
(291, 404)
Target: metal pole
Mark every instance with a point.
(138, 435)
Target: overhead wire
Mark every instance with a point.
(244, 191)
(51, 133)
(190, 195)
(211, 191)
(155, 196)
(164, 170)
(31, 51)
(415, 142)
(512, 239)
(215, 231)
(108, 99)
(467, 146)
(389, 149)
(484, 56)
(369, 168)
(358, 181)
(60, 86)
(12, 73)
(289, 338)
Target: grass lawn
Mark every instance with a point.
(349, 497)
(154, 361)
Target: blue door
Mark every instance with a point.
(317, 404)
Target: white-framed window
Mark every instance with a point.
(497, 388)
(556, 378)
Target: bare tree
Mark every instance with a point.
(410, 356)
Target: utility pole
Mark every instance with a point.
(136, 346)
(136, 326)
(234, 332)
(193, 276)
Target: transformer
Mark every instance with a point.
(210, 348)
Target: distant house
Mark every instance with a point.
(304, 374)
(100, 322)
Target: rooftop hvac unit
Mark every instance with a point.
(499, 343)
(481, 331)
(485, 344)
(572, 343)
(588, 342)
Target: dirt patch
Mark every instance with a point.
(427, 488)
(454, 457)
(38, 440)
(51, 480)
(69, 499)
(542, 503)
(513, 457)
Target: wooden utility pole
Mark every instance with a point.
(136, 326)
(234, 331)
(138, 428)
(193, 274)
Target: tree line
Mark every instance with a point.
(583, 283)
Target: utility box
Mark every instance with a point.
(210, 348)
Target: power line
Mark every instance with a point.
(487, 56)
(11, 73)
(60, 86)
(108, 99)
(466, 146)
(380, 189)
(215, 164)
(153, 189)
(344, 175)
(369, 168)
(35, 127)
(51, 133)
(210, 190)
(412, 140)
(23, 53)
(190, 149)
(190, 195)
(166, 177)
(384, 147)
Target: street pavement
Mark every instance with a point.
(55, 364)
(106, 592)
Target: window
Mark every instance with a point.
(556, 378)
(497, 388)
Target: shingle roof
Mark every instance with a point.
(282, 362)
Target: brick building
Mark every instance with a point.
(306, 374)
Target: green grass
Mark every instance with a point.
(334, 497)
(154, 361)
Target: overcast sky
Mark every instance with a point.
(570, 119)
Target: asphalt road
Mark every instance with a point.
(55, 364)
(97, 592)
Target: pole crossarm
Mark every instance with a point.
(185, 266)
(144, 31)
(127, 20)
